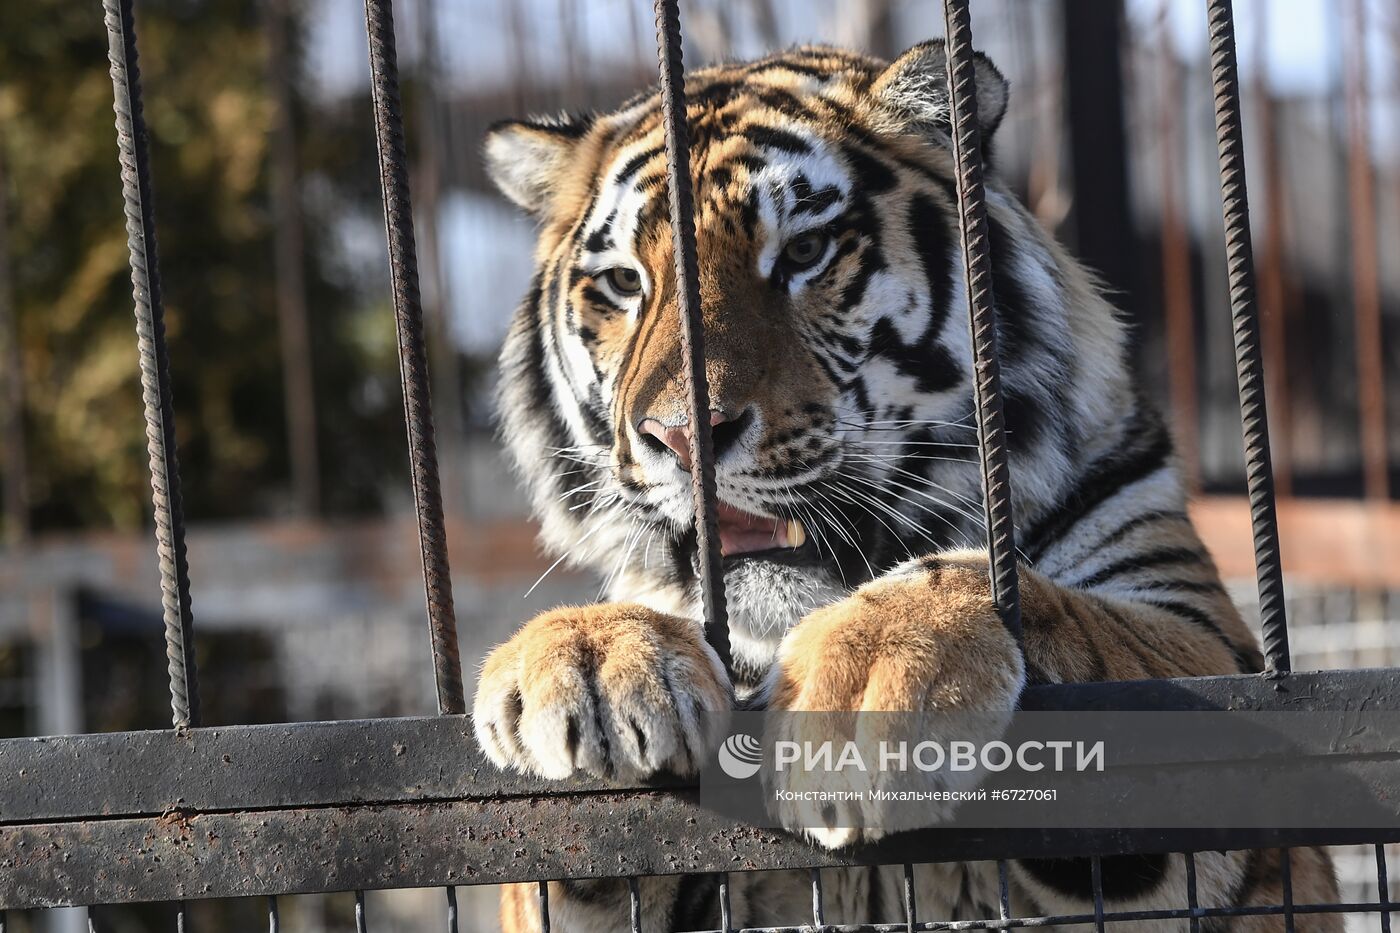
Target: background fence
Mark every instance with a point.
(1110, 92)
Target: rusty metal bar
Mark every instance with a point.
(421, 759)
(977, 270)
(155, 361)
(1249, 363)
(682, 205)
(413, 356)
(1365, 265)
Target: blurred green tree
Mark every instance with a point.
(210, 113)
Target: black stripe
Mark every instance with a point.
(1144, 452)
(770, 137)
(1145, 560)
(1244, 659)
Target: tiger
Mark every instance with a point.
(849, 511)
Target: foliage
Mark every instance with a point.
(210, 114)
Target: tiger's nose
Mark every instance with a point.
(724, 431)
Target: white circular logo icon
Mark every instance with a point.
(740, 756)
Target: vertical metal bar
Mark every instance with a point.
(726, 914)
(274, 921)
(634, 900)
(818, 913)
(294, 330)
(13, 457)
(1191, 898)
(92, 920)
(544, 907)
(182, 918)
(1096, 876)
(155, 361)
(702, 474)
(1249, 362)
(451, 909)
(1286, 878)
(1382, 888)
(413, 357)
(361, 918)
(1003, 890)
(1366, 295)
(977, 269)
(910, 906)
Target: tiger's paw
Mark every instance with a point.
(613, 690)
(918, 655)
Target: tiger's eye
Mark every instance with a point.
(625, 281)
(803, 251)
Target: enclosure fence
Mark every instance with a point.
(196, 812)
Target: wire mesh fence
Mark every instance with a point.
(269, 811)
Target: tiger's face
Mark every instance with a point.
(836, 342)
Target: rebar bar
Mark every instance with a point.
(682, 203)
(1249, 363)
(413, 356)
(977, 270)
(134, 156)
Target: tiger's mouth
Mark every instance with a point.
(744, 534)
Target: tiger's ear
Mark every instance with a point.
(914, 90)
(526, 158)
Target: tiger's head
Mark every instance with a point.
(836, 337)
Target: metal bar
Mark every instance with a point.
(1286, 880)
(274, 921)
(634, 902)
(682, 206)
(977, 270)
(182, 924)
(1016, 923)
(451, 909)
(726, 914)
(413, 355)
(1249, 361)
(275, 852)
(910, 905)
(1003, 891)
(1096, 874)
(1366, 286)
(544, 906)
(415, 760)
(1192, 903)
(1382, 888)
(155, 361)
(818, 914)
(361, 919)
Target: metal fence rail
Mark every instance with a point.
(348, 806)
